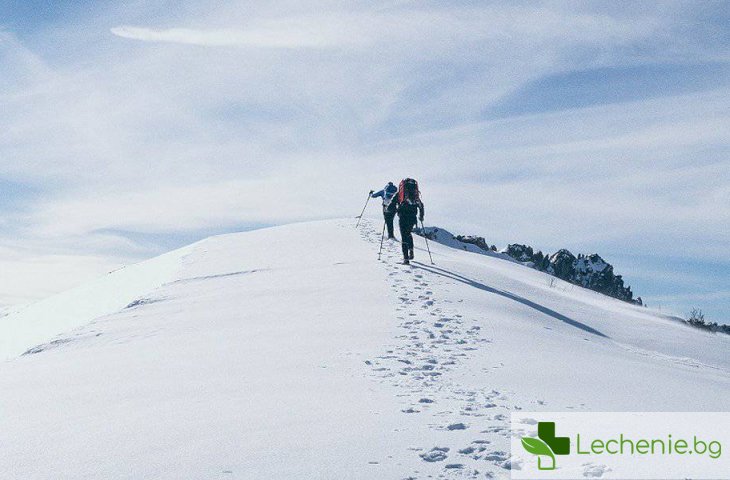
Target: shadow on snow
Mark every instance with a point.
(540, 308)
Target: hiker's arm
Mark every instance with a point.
(422, 209)
(377, 194)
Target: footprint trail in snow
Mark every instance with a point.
(472, 425)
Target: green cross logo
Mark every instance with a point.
(546, 444)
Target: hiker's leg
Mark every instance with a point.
(410, 238)
(389, 222)
(405, 234)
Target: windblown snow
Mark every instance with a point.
(291, 352)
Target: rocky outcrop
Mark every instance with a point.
(478, 241)
(589, 271)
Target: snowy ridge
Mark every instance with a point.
(27, 326)
(291, 352)
(444, 237)
(589, 271)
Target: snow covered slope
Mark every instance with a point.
(291, 352)
(38, 322)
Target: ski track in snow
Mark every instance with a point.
(434, 341)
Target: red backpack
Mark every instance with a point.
(408, 191)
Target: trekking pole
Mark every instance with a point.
(363, 211)
(423, 229)
(381, 241)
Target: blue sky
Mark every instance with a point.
(134, 127)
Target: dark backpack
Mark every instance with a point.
(409, 197)
(408, 191)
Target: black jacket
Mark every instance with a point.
(408, 209)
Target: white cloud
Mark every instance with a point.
(282, 36)
(406, 28)
(19, 66)
(313, 104)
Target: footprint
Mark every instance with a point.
(496, 456)
(592, 470)
(436, 454)
(457, 426)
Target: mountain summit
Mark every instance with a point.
(291, 352)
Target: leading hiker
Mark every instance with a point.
(388, 192)
(407, 203)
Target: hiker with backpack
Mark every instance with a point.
(407, 203)
(387, 193)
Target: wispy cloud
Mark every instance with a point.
(286, 35)
(399, 29)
